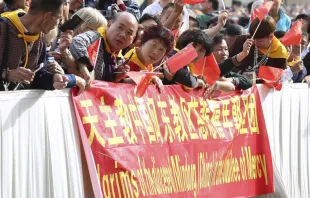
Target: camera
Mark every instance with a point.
(108, 14)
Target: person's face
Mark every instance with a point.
(262, 43)
(206, 6)
(221, 51)
(167, 14)
(148, 23)
(230, 40)
(51, 20)
(296, 48)
(122, 32)
(201, 51)
(153, 51)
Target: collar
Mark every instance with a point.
(135, 59)
(102, 31)
(294, 61)
(277, 49)
(15, 20)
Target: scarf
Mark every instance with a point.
(294, 61)
(135, 59)
(277, 49)
(102, 31)
(14, 18)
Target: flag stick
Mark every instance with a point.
(162, 62)
(223, 5)
(256, 29)
(40, 67)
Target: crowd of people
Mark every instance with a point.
(118, 36)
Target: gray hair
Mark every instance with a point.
(91, 16)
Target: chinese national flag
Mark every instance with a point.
(261, 11)
(142, 79)
(93, 51)
(182, 58)
(192, 2)
(271, 76)
(208, 68)
(293, 36)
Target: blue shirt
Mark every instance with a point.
(284, 23)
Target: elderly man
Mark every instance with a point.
(22, 47)
(119, 34)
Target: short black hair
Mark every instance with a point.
(10, 2)
(169, 5)
(229, 21)
(244, 21)
(46, 5)
(249, 6)
(218, 39)
(196, 37)
(118, 14)
(213, 21)
(196, 22)
(301, 16)
(215, 4)
(266, 28)
(233, 30)
(236, 3)
(279, 34)
(147, 17)
(161, 33)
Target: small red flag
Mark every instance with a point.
(208, 68)
(182, 58)
(174, 32)
(142, 79)
(294, 35)
(192, 2)
(136, 76)
(271, 76)
(93, 51)
(261, 11)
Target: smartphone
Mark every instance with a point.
(71, 24)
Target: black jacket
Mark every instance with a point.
(131, 6)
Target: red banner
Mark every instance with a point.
(174, 144)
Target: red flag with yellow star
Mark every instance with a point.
(294, 35)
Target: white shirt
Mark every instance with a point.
(305, 52)
(153, 9)
(156, 9)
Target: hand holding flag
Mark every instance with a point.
(261, 12)
(142, 79)
(271, 76)
(182, 58)
(208, 68)
(294, 35)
